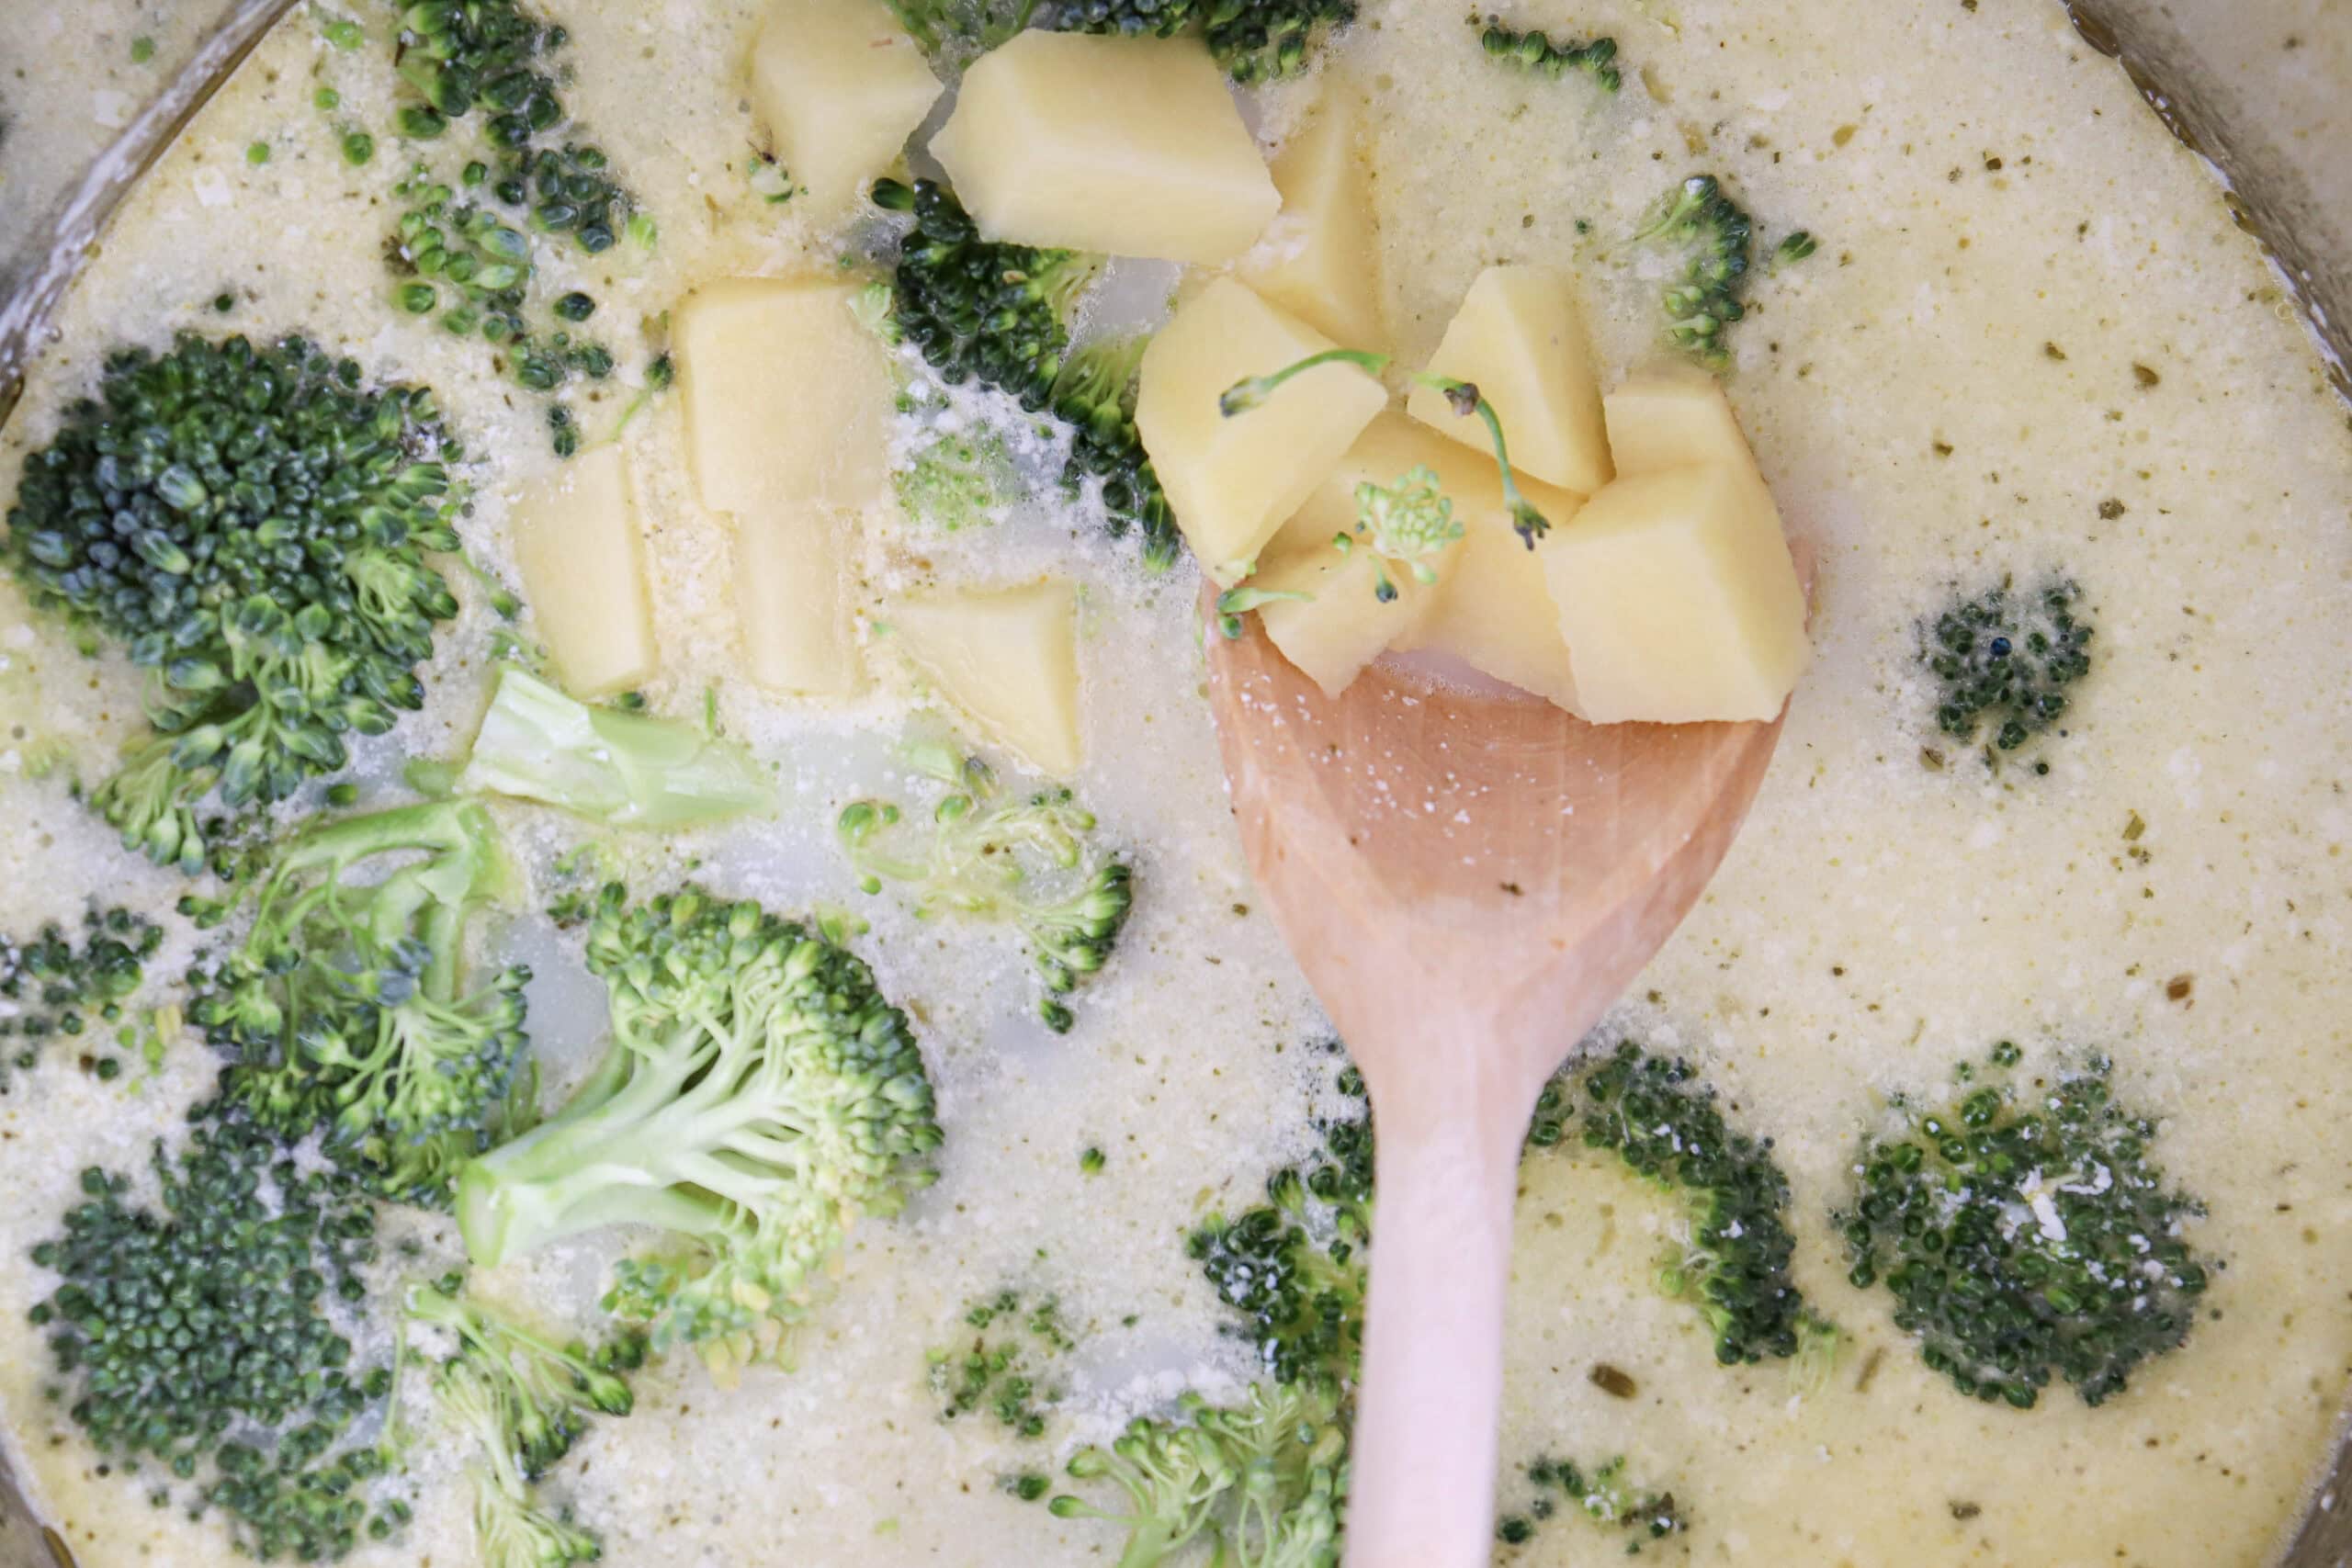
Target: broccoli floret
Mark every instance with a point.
(343, 1008)
(2005, 660)
(1255, 41)
(1716, 236)
(1405, 523)
(620, 768)
(956, 481)
(962, 28)
(251, 524)
(522, 1401)
(1601, 1495)
(760, 1096)
(1732, 1264)
(1263, 1482)
(196, 1337)
(995, 1366)
(2025, 1231)
(1295, 1266)
(52, 987)
(1095, 393)
(1028, 862)
(1534, 51)
(1461, 396)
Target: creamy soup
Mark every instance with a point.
(2031, 342)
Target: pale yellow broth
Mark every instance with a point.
(1949, 390)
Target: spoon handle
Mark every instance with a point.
(1422, 1489)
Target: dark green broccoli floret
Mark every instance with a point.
(1095, 392)
(251, 524)
(1030, 864)
(2005, 660)
(343, 1008)
(760, 1096)
(1601, 1495)
(996, 1365)
(2026, 1231)
(522, 1401)
(1661, 1121)
(197, 1336)
(56, 988)
(1534, 51)
(1716, 237)
(1255, 41)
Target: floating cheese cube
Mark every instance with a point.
(1520, 337)
(1494, 608)
(583, 560)
(788, 400)
(791, 603)
(1319, 259)
(1679, 600)
(1129, 146)
(1008, 658)
(1672, 419)
(1233, 481)
(842, 86)
(1344, 625)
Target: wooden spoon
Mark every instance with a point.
(1468, 881)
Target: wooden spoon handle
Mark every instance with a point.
(1422, 1490)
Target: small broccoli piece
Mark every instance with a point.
(251, 524)
(958, 481)
(962, 28)
(2026, 1231)
(1733, 1262)
(1301, 1300)
(1697, 218)
(1793, 249)
(622, 769)
(1095, 393)
(1600, 1494)
(50, 987)
(2006, 660)
(1024, 861)
(1264, 1481)
(344, 1008)
(522, 1401)
(1406, 522)
(995, 1366)
(1534, 51)
(1462, 396)
(1254, 41)
(760, 1096)
(202, 1334)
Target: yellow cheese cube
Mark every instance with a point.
(791, 605)
(1232, 481)
(841, 86)
(1008, 658)
(788, 400)
(582, 562)
(1679, 600)
(1319, 259)
(1520, 337)
(1129, 146)
(1345, 624)
(1494, 609)
(1672, 419)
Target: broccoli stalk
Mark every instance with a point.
(343, 1008)
(1464, 396)
(760, 1096)
(622, 769)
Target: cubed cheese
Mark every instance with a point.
(1232, 481)
(1679, 599)
(1319, 259)
(841, 86)
(1007, 659)
(791, 605)
(582, 557)
(1344, 624)
(1494, 609)
(1129, 146)
(1521, 339)
(1672, 419)
(788, 400)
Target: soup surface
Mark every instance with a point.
(2032, 345)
